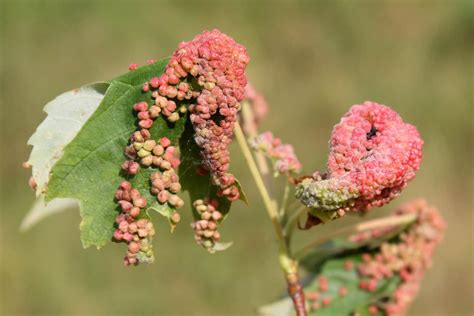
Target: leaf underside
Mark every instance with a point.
(67, 114)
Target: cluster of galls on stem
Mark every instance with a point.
(205, 228)
(137, 232)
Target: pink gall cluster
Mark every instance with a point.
(166, 186)
(205, 229)
(408, 258)
(208, 72)
(136, 232)
(143, 151)
(258, 107)
(373, 155)
(283, 156)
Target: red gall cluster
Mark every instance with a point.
(166, 186)
(258, 108)
(205, 229)
(208, 74)
(283, 156)
(136, 232)
(408, 258)
(373, 155)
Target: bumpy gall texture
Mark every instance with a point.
(373, 155)
(166, 186)
(131, 229)
(283, 155)
(215, 65)
(407, 257)
(205, 228)
(205, 77)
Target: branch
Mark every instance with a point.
(288, 265)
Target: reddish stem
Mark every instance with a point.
(295, 290)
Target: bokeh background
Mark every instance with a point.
(312, 60)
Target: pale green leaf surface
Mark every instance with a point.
(66, 115)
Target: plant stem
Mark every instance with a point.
(262, 163)
(267, 201)
(293, 220)
(284, 200)
(389, 221)
(288, 264)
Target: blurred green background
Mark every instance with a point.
(312, 60)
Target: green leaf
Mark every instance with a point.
(337, 246)
(329, 260)
(85, 166)
(356, 298)
(67, 114)
(89, 169)
(337, 276)
(142, 74)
